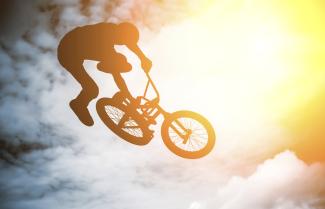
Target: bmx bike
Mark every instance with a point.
(185, 133)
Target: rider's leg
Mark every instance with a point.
(88, 92)
(134, 104)
(114, 62)
(69, 55)
(120, 82)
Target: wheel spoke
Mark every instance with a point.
(198, 139)
(123, 121)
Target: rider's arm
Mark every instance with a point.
(145, 62)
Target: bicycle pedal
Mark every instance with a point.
(150, 121)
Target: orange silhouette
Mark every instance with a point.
(185, 133)
(96, 42)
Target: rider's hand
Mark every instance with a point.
(146, 65)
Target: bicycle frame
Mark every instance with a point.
(151, 105)
(151, 110)
(153, 85)
(131, 119)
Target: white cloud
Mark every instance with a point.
(281, 182)
(85, 167)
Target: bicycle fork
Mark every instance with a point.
(180, 131)
(152, 110)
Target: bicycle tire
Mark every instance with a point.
(132, 116)
(177, 149)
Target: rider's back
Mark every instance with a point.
(90, 41)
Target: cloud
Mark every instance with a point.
(30, 70)
(49, 160)
(86, 175)
(281, 182)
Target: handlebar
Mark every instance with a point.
(153, 86)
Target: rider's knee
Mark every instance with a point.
(93, 90)
(127, 66)
(121, 63)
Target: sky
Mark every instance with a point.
(255, 69)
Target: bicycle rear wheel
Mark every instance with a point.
(188, 134)
(126, 124)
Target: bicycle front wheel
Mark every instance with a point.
(188, 134)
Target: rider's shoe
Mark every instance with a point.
(118, 96)
(82, 113)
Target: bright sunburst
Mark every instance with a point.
(267, 56)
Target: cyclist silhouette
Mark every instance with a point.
(185, 133)
(96, 42)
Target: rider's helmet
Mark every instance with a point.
(128, 32)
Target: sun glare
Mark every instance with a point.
(265, 55)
